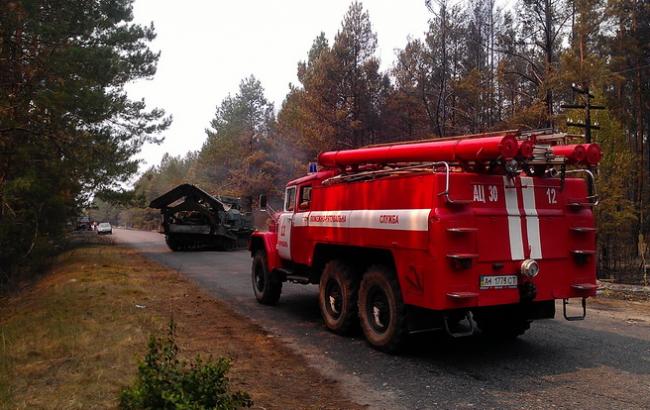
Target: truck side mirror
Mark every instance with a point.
(262, 202)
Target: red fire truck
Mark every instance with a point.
(482, 231)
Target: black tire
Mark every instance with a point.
(337, 297)
(382, 313)
(266, 285)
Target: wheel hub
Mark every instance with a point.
(378, 310)
(333, 304)
(376, 315)
(334, 299)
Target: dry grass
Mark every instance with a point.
(73, 339)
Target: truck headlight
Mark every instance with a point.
(529, 268)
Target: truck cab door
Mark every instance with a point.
(285, 224)
(300, 244)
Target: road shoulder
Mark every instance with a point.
(73, 339)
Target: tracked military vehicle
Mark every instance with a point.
(192, 219)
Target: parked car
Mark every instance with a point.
(84, 224)
(104, 228)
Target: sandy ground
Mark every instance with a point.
(275, 376)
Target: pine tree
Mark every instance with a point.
(543, 27)
(628, 52)
(67, 127)
(234, 160)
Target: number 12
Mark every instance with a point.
(552, 195)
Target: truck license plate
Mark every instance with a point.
(498, 282)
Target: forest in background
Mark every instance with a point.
(477, 68)
(68, 131)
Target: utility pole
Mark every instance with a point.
(587, 106)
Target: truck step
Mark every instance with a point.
(582, 229)
(461, 256)
(576, 205)
(462, 295)
(461, 332)
(581, 256)
(583, 252)
(462, 261)
(565, 303)
(461, 230)
(458, 203)
(584, 287)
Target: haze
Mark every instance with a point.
(209, 46)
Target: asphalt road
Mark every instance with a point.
(602, 362)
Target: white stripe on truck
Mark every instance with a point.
(414, 220)
(532, 219)
(514, 220)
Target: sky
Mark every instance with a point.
(208, 46)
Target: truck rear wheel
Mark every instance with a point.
(266, 285)
(337, 297)
(382, 313)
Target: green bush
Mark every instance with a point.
(165, 382)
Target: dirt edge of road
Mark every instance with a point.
(73, 339)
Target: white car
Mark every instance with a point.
(104, 228)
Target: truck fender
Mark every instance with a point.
(266, 241)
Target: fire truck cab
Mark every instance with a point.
(477, 232)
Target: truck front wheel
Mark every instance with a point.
(266, 285)
(338, 296)
(382, 313)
